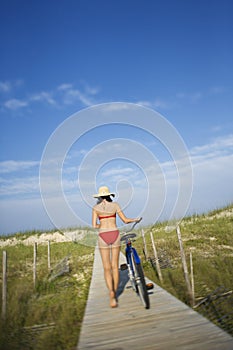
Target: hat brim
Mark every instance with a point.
(104, 195)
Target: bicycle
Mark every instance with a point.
(135, 270)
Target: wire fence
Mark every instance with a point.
(216, 305)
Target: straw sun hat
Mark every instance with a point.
(103, 191)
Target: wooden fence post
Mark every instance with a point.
(144, 243)
(49, 262)
(185, 269)
(4, 284)
(34, 264)
(192, 277)
(156, 258)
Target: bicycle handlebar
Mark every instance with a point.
(132, 227)
(128, 236)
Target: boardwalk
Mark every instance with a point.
(168, 324)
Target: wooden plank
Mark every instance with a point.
(168, 324)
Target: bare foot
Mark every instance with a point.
(113, 302)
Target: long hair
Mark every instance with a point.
(100, 199)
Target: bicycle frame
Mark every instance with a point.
(129, 253)
(129, 250)
(135, 271)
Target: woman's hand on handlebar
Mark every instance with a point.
(138, 220)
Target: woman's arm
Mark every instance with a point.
(94, 219)
(124, 218)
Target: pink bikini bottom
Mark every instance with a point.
(109, 237)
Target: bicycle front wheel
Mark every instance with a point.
(141, 284)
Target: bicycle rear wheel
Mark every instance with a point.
(141, 285)
(134, 277)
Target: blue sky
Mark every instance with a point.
(59, 58)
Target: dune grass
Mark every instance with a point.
(210, 240)
(48, 316)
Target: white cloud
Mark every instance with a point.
(156, 103)
(43, 97)
(67, 170)
(217, 90)
(65, 94)
(70, 185)
(216, 128)
(19, 186)
(191, 97)
(118, 171)
(169, 102)
(114, 175)
(14, 104)
(65, 86)
(91, 90)
(5, 86)
(145, 103)
(108, 107)
(8, 86)
(159, 103)
(212, 169)
(72, 96)
(11, 166)
(73, 154)
(221, 144)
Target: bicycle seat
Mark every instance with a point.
(128, 236)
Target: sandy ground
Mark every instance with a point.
(75, 235)
(43, 238)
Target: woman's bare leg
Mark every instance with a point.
(110, 260)
(115, 266)
(105, 255)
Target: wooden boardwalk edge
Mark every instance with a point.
(168, 324)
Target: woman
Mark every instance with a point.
(104, 218)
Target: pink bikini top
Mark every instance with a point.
(106, 217)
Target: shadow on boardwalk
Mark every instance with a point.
(123, 280)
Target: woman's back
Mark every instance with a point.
(106, 212)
